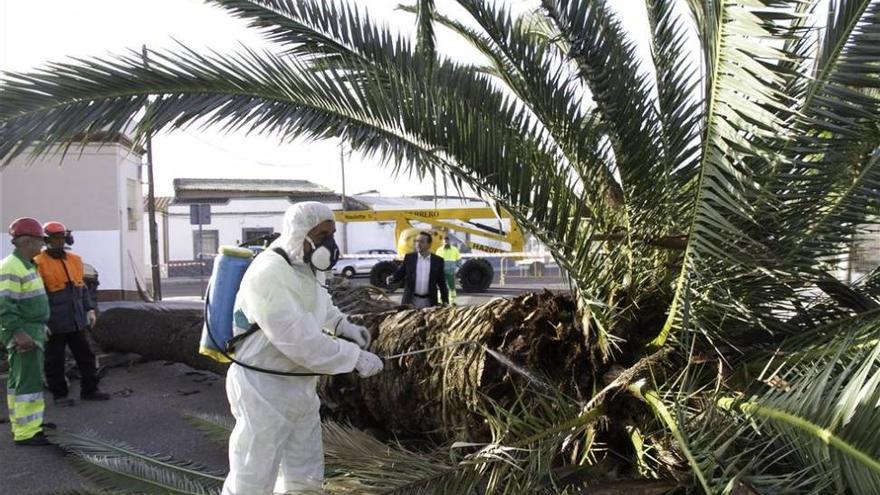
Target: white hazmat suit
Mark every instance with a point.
(277, 435)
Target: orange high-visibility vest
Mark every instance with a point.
(53, 271)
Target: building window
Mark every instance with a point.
(252, 233)
(133, 203)
(207, 245)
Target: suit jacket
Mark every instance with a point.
(436, 280)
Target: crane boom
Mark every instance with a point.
(440, 218)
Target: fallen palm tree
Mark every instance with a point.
(444, 363)
(157, 332)
(471, 354)
(356, 300)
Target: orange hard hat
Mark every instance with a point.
(25, 226)
(54, 228)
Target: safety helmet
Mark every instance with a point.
(25, 226)
(54, 228)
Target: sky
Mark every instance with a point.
(33, 32)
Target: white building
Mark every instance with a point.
(240, 209)
(95, 192)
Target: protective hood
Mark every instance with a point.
(299, 219)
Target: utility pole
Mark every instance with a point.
(344, 224)
(151, 202)
(435, 188)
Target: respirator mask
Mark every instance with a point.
(323, 256)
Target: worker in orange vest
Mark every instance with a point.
(72, 312)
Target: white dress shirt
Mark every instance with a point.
(423, 272)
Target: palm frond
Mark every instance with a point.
(217, 427)
(708, 202)
(725, 450)
(118, 465)
(136, 476)
(831, 411)
(526, 438)
(84, 491)
(835, 156)
(425, 39)
(357, 462)
(723, 239)
(324, 33)
(678, 109)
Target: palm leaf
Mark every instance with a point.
(425, 39)
(831, 409)
(217, 427)
(707, 202)
(722, 237)
(118, 465)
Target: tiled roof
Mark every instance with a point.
(258, 186)
(162, 203)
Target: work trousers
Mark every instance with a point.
(450, 282)
(55, 363)
(24, 393)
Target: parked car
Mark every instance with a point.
(361, 262)
(536, 267)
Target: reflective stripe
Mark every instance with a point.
(18, 296)
(25, 409)
(29, 397)
(11, 277)
(10, 408)
(26, 415)
(18, 277)
(27, 419)
(28, 431)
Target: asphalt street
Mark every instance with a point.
(145, 411)
(147, 406)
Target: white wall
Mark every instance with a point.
(238, 214)
(86, 191)
(79, 191)
(228, 219)
(131, 245)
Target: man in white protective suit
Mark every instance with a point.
(276, 441)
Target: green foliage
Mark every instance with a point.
(700, 200)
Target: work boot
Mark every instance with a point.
(35, 441)
(94, 395)
(63, 402)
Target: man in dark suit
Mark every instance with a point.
(422, 273)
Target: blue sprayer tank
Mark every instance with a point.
(229, 268)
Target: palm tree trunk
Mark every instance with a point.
(155, 331)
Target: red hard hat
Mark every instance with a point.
(54, 228)
(25, 226)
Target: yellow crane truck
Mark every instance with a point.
(475, 274)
